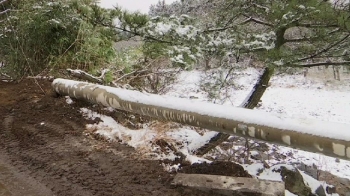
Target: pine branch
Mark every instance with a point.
(218, 29)
(251, 19)
(326, 63)
(324, 49)
(135, 33)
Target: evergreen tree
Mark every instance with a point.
(304, 33)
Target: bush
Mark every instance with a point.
(60, 34)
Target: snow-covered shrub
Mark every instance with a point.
(46, 34)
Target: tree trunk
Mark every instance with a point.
(258, 90)
(251, 102)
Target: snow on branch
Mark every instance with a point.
(251, 19)
(3, 1)
(5, 11)
(86, 76)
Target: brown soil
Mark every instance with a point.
(217, 168)
(222, 168)
(45, 151)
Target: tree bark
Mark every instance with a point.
(258, 90)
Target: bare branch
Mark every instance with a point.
(5, 11)
(298, 39)
(324, 63)
(261, 6)
(310, 25)
(137, 34)
(325, 49)
(3, 1)
(251, 19)
(217, 29)
(86, 76)
(131, 73)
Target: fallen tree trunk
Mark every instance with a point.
(332, 139)
(251, 102)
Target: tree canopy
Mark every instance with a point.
(289, 33)
(40, 34)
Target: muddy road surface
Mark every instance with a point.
(44, 150)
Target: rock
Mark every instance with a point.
(228, 185)
(294, 181)
(337, 184)
(331, 189)
(310, 170)
(344, 181)
(320, 191)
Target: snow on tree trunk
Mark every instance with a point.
(250, 102)
(332, 139)
(258, 90)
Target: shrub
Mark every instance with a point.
(43, 34)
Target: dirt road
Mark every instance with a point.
(45, 151)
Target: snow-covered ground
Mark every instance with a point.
(294, 96)
(317, 96)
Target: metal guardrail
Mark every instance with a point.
(332, 139)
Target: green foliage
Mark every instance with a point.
(108, 77)
(154, 50)
(272, 30)
(129, 59)
(46, 34)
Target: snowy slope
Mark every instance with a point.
(316, 97)
(288, 96)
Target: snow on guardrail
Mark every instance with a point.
(328, 138)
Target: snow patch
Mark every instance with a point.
(246, 116)
(69, 100)
(143, 140)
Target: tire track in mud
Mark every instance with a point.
(11, 180)
(49, 159)
(80, 167)
(7, 123)
(47, 141)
